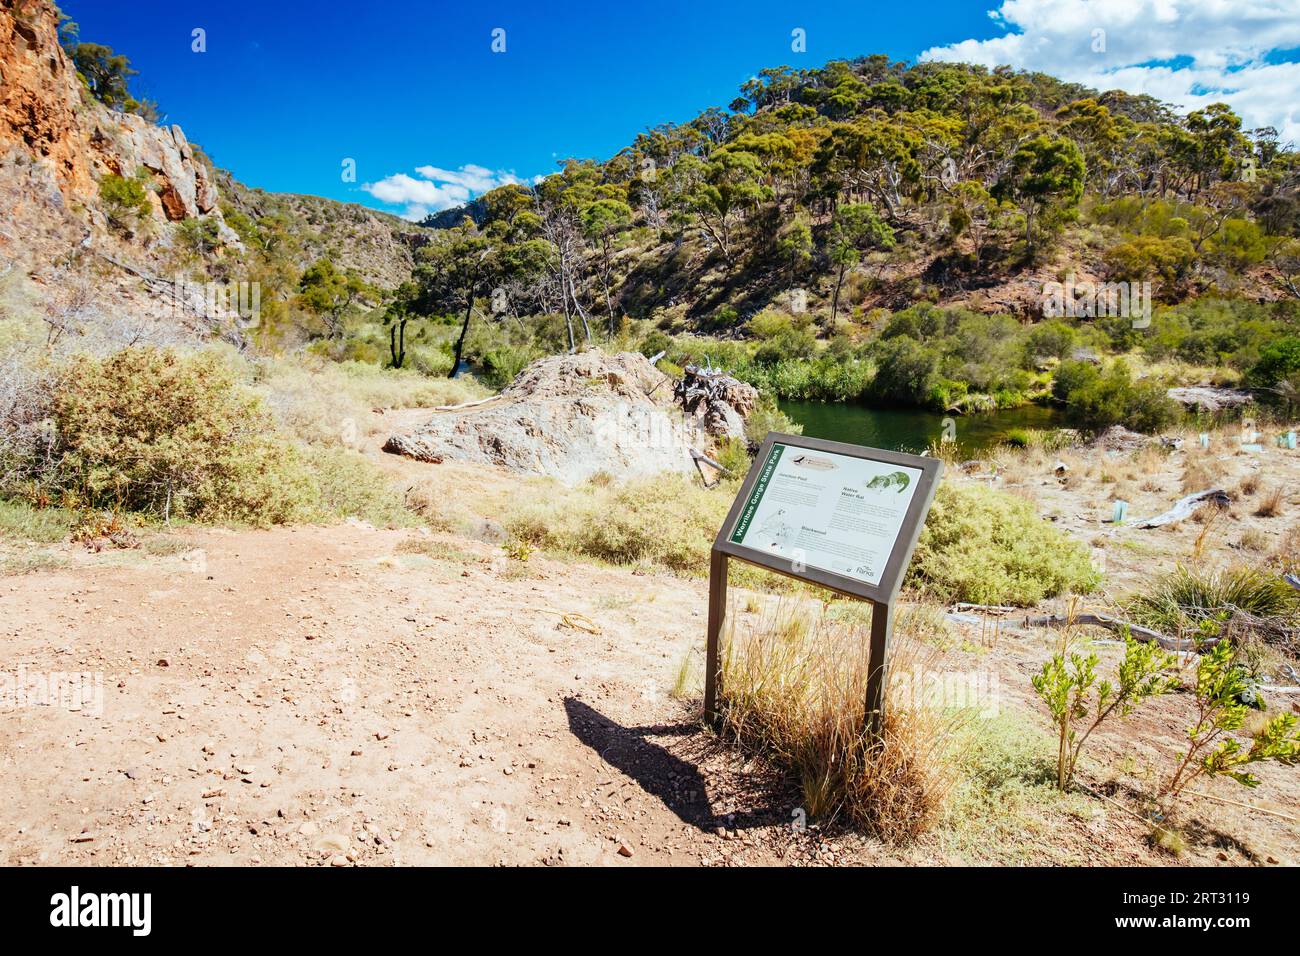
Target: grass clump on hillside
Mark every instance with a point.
(349, 485)
(990, 547)
(1181, 601)
(328, 403)
(22, 521)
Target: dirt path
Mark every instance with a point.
(310, 696)
(347, 695)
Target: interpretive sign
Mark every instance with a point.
(841, 516)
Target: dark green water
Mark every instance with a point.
(909, 429)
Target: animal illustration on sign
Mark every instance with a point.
(817, 464)
(895, 479)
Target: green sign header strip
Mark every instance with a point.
(755, 496)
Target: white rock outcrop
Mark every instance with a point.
(570, 417)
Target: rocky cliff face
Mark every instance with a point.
(56, 142)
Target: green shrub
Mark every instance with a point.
(1079, 704)
(155, 431)
(1101, 398)
(782, 336)
(1222, 685)
(990, 547)
(1277, 362)
(907, 372)
(126, 201)
(767, 417)
(501, 365)
(733, 455)
(1148, 258)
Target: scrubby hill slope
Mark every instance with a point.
(868, 183)
(377, 246)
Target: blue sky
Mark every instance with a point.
(411, 90)
(287, 90)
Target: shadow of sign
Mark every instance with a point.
(659, 772)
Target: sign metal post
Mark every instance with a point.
(841, 516)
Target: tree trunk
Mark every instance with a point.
(582, 313)
(397, 343)
(464, 328)
(609, 306)
(835, 299)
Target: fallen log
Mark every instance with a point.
(697, 457)
(987, 608)
(469, 404)
(1185, 506)
(1115, 624)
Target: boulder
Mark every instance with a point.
(570, 417)
(717, 402)
(1208, 398)
(1117, 438)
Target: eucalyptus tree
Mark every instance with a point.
(461, 263)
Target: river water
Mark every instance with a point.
(910, 429)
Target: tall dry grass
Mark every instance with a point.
(794, 692)
(329, 403)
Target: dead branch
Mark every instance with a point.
(1185, 506)
(1116, 625)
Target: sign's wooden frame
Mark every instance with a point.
(881, 596)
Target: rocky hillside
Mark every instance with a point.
(59, 148)
(57, 143)
(377, 246)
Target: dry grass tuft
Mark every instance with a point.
(1286, 556)
(1200, 474)
(1270, 506)
(1252, 539)
(794, 692)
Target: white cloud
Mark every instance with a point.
(438, 189)
(1186, 52)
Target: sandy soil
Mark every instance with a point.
(299, 696)
(348, 695)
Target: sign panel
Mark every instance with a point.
(842, 516)
(839, 513)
